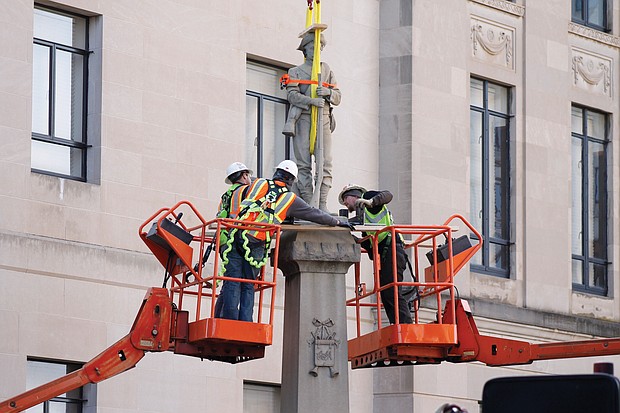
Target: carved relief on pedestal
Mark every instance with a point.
(591, 72)
(324, 344)
(492, 42)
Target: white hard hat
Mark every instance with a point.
(354, 189)
(288, 166)
(234, 168)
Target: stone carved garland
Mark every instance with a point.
(494, 40)
(594, 71)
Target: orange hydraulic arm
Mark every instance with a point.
(150, 332)
(495, 351)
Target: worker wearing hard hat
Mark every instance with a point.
(267, 201)
(298, 122)
(238, 176)
(375, 211)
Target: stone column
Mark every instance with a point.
(314, 358)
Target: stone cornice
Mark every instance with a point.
(592, 34)
(504, 6)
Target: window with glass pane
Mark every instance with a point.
(261, 398)
(589, 200)
(59, 80)
(41, 372)
(266, 109)
(591, 13)
(490, 174)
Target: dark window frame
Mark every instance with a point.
(486, 267)
(261, 98)
(585, 259)
(70, 367)
(52, 138)
(584, 18)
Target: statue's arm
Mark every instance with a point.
(335, 95)
(294, 95)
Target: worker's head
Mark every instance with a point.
(349, 194)
(237, 172)
(286, 172)
(307, 44)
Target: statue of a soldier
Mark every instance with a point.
(298, 122)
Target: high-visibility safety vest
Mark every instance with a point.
(384, 217)
(230, 203)
(267, 202)
(229, 206)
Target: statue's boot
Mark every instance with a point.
(289, 128)
(323, 197)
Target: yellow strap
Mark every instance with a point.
(316, 69)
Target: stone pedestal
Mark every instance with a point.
(314, 360)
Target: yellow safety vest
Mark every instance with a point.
(384, 216)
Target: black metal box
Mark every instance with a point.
(168, 226)
(459, 245)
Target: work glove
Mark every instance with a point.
(365, 202)
(318, 102)
(345, 224)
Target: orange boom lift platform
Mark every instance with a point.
(175, 318)
(453, 335)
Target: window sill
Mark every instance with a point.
(592, 34)
(503, 5)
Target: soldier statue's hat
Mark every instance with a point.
(309, 37)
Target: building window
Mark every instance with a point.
(40, 372)
(589, 200)
(591, 13)
(490, 175)
(59, 97)
(266, 109)
(261, 398)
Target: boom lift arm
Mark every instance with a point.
(151, 331)
(496, 351)
(161, 323)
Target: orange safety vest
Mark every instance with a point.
(267, 202)
(230, 203)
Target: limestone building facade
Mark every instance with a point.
(503, 111)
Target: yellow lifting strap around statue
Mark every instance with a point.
(313, 23)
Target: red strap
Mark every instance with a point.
(285, 80)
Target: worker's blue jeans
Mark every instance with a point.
(238, 297)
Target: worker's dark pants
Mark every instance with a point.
(386, 276)
(238, 297)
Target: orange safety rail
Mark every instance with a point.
(417, 342)
(194, 287)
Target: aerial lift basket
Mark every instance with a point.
(417, 342)
(183, 249)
